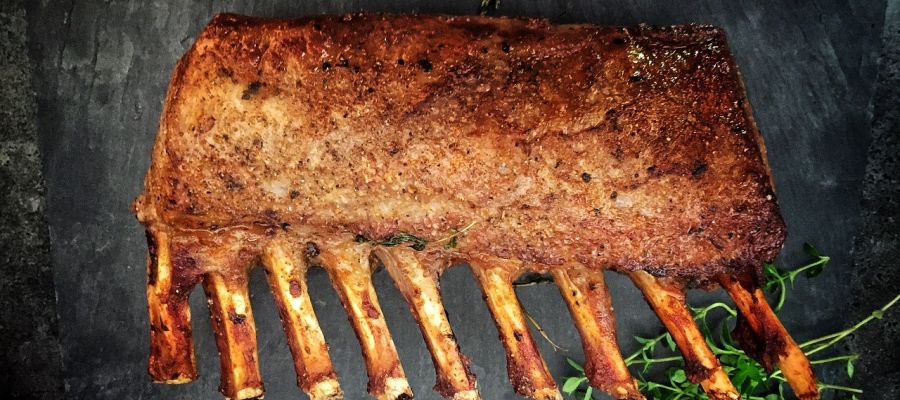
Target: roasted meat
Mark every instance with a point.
(420, 141)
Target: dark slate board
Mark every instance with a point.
(102, 70)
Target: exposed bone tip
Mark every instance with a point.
(628, 391)
(326, 389)
(177, 380)
(467, 395)
(547, 394)
(396, 389)
(249, 393)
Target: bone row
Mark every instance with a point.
(348, 265)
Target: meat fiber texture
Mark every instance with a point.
(629, 148)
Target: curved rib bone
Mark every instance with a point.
(286, 273)
(667, 300)
(419, 285)
(350, 273)
(775, 345)
(171, 346)
(527, 370)
(229, 307)
(586, 295)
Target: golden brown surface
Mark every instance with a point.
(626, 148)
(509, 143)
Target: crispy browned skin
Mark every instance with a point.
(510, 143)
(627, 148)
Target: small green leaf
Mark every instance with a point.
(678, 376)
(643, 341)
(669, 342)
(811, 250)
(850, 368)
(451, 243)
(588, 393)
(572, 383)
(772, 396)
(574, 364)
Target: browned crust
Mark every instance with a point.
(690, 161)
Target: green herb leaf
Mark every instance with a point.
(811, 250)
(748, 376)
(575, 365)
(572, 383)
(643, 341)
(588, 393)
(669, 342)
(450, 243)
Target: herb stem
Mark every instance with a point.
(833, 359)
(841, 388)
(656, 360)
(650, 344)
(877, 314)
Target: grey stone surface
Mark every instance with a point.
(102, 69)
(29, 351)
(876, 272)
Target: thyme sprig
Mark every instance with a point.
(399, 238)
(748, 376)
(417, 243)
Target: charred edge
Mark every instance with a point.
(752, 344)
(749, 282)
(185, 275)
(602, 374)
(152, 258)
(251, 90)
(312, 250)
(768, 345)
(445, 387)
(695, 370)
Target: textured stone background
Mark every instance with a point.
(100, 68)
(29, 350)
